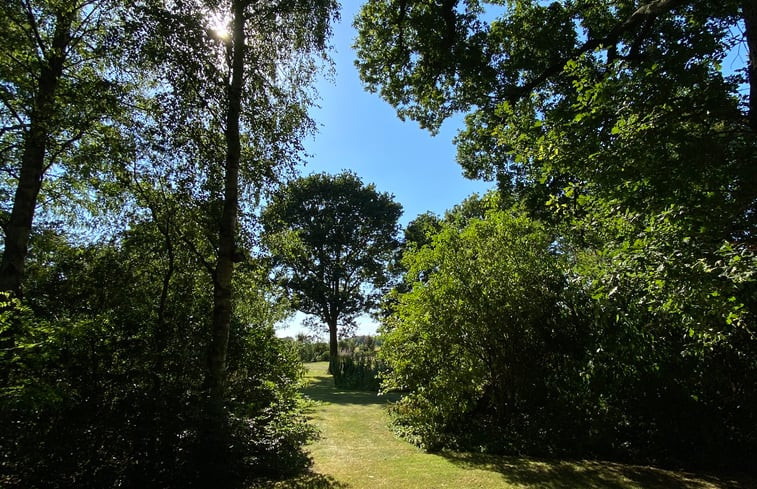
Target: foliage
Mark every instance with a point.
(508, 341)
(310, 349)
(359, 370)
(622, 128)
(473, 334)
(227, 100)
(679, 318)
(331, 238)
(130, 362)
(61, 114)
(570, 102)
(109, 395)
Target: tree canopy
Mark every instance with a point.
(627, 130)
(631, 102)
(332, 238)
(176, 130)
(60, 111)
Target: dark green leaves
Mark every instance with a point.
(332, 237)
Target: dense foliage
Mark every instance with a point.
(358, 371)
(61, 108)
(358, 366)
(505, 342)
(136, 340)
(106, 388)
(628, 132)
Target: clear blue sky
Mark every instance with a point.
(360, 132)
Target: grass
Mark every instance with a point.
(358, 451)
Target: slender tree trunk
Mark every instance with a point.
(227, 227)
(19, 226)
(215, 380)
(333, 347)
(750, 32)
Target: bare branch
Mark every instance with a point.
(33, 25)
(6, 101)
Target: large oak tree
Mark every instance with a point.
(332, 237)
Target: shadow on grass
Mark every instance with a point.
(321, 388)
(549, 474)
(305, 481)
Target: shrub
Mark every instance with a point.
(359, 371)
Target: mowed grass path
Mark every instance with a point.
(357, 450)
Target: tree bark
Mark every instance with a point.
(215, 381)
(333, 347)
(19, 226)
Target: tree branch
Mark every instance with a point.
(33, 26)
(63, 147)
(6, 101)
(642, 14)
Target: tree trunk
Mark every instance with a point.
(333, 347)
(215, 381)
(19, 226)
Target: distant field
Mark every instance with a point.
(358, 451)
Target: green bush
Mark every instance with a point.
(311, 350)
(505, 341)
(102, 390)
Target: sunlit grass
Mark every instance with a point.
(357, 450)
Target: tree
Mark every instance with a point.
(630, 127)
(332, 237)
(606, 120)
(233, 102)
(555, 91)
(59, 107)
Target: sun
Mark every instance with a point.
(219, 26)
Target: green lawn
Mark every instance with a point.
(357, 450)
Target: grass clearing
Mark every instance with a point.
(357, 450)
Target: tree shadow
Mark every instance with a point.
(321, 388)
(309, 480)
(555, 474)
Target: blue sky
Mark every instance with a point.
(358, 131)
